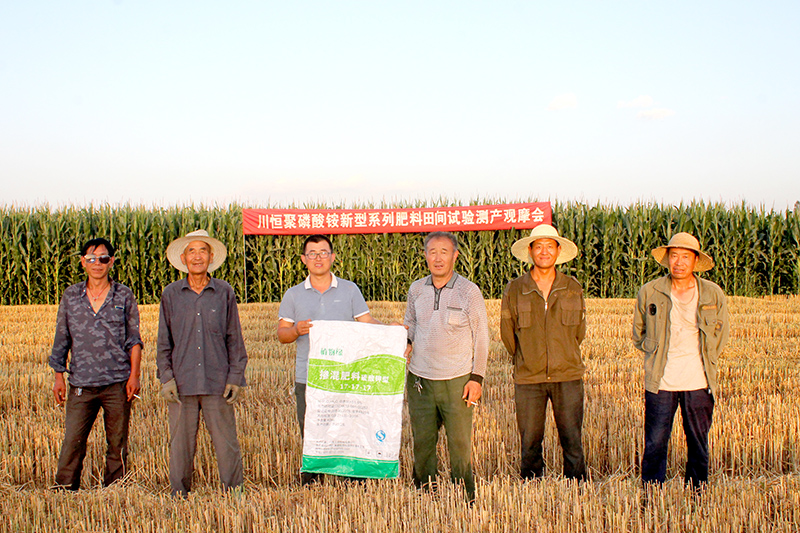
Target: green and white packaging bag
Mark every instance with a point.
(354, 399)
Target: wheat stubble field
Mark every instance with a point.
(755, 470)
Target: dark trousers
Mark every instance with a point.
(184, 419)
(432, 404)
(566, 399)
(300, 396)
(697, 409)
(83, 404)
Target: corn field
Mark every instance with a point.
(755, 444)
(756, 250)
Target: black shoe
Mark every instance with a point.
(309, 478)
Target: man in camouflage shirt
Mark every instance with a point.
(98, 322)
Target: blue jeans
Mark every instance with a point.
(566, 398)
(697, 408)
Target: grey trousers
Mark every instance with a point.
(184, 419)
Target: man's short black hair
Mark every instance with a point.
(317, 238)
(94, 243)
(440, 235)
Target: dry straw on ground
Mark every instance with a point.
(755, 483)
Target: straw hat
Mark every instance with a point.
(177, 247)
(545, 231)
(687, 241)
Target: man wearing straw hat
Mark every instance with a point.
(201, 360)
(681, 325)
(542, 324)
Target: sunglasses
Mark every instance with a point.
(104, 259)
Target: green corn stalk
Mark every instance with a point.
(755, 249)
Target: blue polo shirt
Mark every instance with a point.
(342, 301)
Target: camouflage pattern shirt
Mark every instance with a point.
(100, 342)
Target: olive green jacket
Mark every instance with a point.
(651, 327)
(544, 337)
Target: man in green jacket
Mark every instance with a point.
(681, 326)
(542, 324)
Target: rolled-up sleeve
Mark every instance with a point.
(62, 340)
(133, 335)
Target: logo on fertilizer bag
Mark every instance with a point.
(380, 435)
(331, 352)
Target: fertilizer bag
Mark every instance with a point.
(354, 399)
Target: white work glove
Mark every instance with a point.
(169, 391)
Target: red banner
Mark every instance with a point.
(414, 220)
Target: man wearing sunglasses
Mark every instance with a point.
(322, 296)
(98, 323)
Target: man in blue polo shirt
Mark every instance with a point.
(322, 296)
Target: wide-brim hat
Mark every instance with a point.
(689, 242)
(568, 250)
(176, 248)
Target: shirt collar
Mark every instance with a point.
(334, 282)
(210, 285)
(529, 285)
(664, 284)
(111, 284)
(449, 284)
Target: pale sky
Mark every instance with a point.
(277, 103)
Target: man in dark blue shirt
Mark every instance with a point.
(201, 360)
